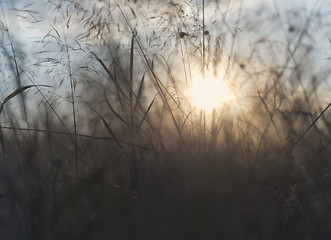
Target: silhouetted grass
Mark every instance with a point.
(114, 149)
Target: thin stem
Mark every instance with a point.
(203, 40)
(75, 130)
(132, 128)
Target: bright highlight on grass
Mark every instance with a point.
(209, 92)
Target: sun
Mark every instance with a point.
(209, 92)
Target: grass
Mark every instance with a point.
(100, 140)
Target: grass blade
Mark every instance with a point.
(114, 112)
(10, 96)
(131, 67)
(145, 115)
(112, 77)
(17, 92)
(139, 91)
(111, 132)
(2, 142)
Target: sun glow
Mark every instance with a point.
(209, 92)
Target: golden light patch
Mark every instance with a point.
(209, 92)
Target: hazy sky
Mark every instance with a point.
(255, 21)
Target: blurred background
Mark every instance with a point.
(141, 119)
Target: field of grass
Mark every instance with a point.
(100, 140)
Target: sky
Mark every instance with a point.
(258, 19)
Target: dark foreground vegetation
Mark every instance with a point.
(99, 139)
